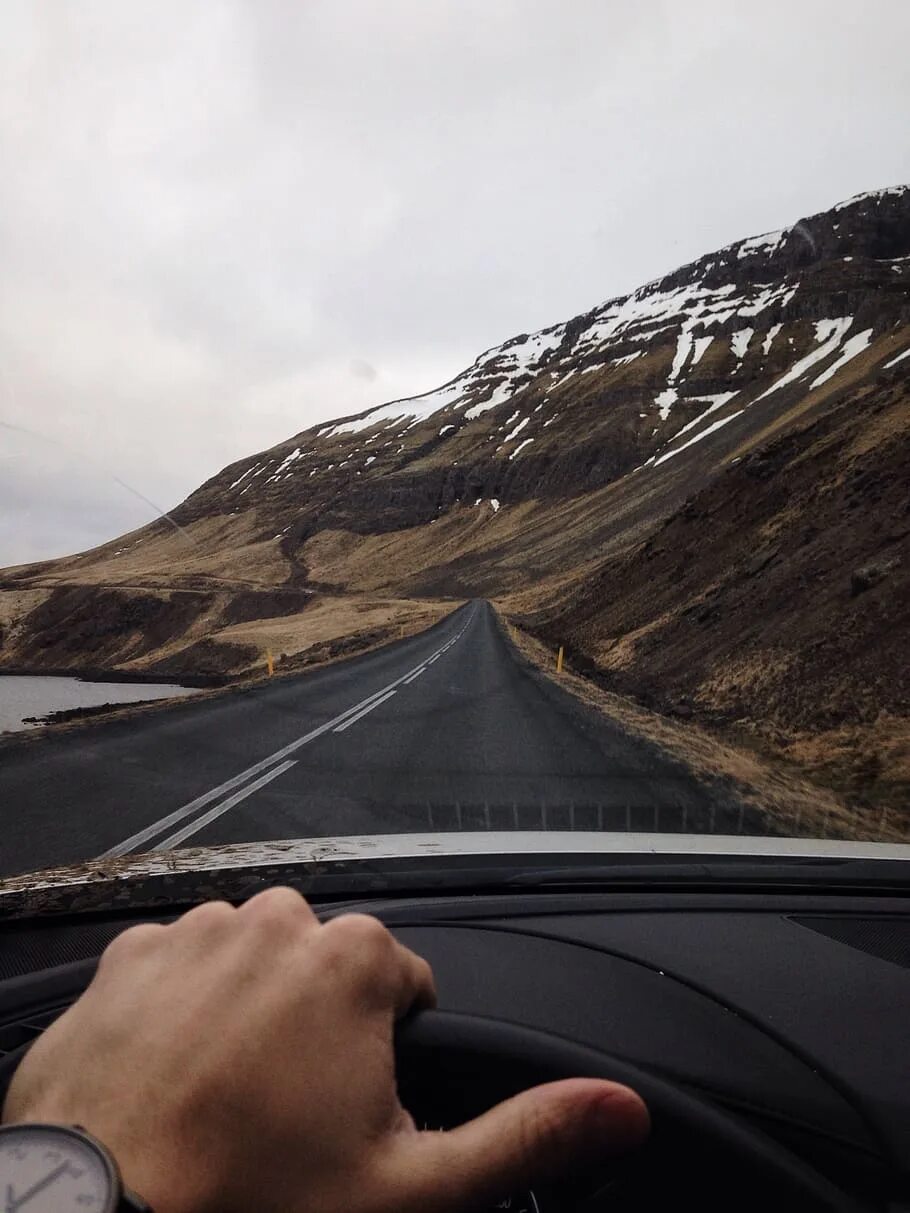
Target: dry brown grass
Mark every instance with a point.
(331, 619)
(222, 548)
(854, 758)
(793, 804)
(16, 604)
(752, 676)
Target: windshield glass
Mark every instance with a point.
(431, 419)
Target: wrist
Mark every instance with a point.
(146, 1170)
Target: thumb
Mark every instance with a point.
(538, 1135)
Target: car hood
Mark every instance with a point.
(379, 862)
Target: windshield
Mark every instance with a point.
(445, 419)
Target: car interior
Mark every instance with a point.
(763, 1021)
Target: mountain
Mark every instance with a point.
(700, 488)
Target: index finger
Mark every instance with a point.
(413, 987)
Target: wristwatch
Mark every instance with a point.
(60, 1169)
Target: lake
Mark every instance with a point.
(24, 695)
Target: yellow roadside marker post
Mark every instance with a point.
(559, 661)
(270, 662)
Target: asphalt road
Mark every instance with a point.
(451, 729)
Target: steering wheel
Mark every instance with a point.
(453, 1066)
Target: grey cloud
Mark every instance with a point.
(361, 369)
(214, 217)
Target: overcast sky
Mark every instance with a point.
(221, 222)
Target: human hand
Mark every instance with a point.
(243, 1059)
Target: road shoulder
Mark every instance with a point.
(792, 805)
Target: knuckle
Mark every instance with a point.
(132, 943)
(210, 916)
(274, 907)
(360, 932)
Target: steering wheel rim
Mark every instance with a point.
(542, 1057)
(421, 1038)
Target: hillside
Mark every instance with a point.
(699, 487)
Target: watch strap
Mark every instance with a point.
(131, 1203)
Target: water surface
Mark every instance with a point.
(23, 695)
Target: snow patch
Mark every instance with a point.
(834, 330)
(714, 403)
(698, 437)
(699, 347)
(665, 401)
(855, 345)
(780, 295)
(286, 463)
(827, 328)
(739, 343)
(499, 396)
(756, 244)
(899, 358)
(243, 476)
(769, 339)
(521, 425)
(895, 190)
(521, 446)
(683, 349)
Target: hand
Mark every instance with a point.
(242, 1059)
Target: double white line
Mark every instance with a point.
(262, 772)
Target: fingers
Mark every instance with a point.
(415, 988)
(537, 1135)
(388, 975)
(375, 967)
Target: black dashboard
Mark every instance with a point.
(788, 1012)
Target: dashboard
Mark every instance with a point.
(786, 1013)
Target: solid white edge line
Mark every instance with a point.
(353, 719)
(202, 821)
(180, 814)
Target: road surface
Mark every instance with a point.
(450, 729)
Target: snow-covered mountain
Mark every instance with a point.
(632, 383)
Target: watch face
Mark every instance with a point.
(44, 1169)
